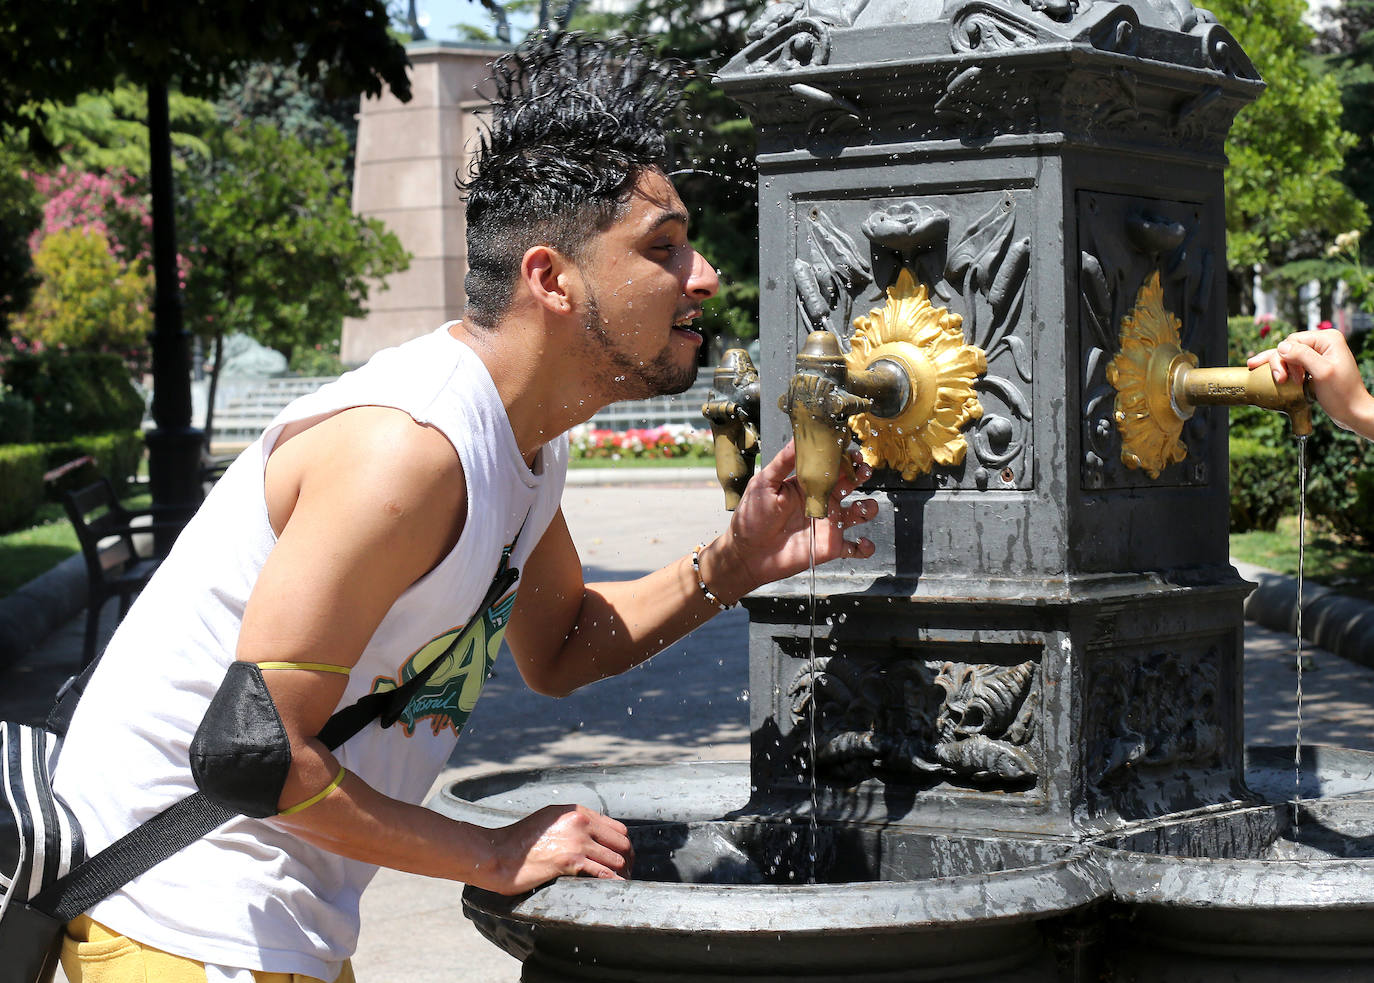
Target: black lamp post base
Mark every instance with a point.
(174, 457)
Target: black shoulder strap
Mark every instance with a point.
(188, 819)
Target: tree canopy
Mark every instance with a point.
(274, 247)
(53, 52)
(1284, 196)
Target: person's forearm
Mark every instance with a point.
(359, 822)
(356, 821)
(1360, 417)
(623, 623)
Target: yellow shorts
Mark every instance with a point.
(91, 953)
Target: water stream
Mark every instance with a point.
(811, 719)
(1298, 657)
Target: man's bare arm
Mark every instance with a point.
(364, 504)
(565, 634)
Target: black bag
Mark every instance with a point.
(40, 841)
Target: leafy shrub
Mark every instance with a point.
(1263, 484)
(317, 361)
(1245, 336)
(21, 483)
(16, 418)
(75, 393)
(116, 456)
(87, 296)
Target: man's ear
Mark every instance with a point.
(545, 272)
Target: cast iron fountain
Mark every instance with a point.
(992, 242)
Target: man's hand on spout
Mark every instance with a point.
(768, 538)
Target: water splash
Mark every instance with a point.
(1298, 656)
(703, 172)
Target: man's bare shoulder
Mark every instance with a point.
(369, 459)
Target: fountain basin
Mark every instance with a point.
(728, 899)
(720, 886)
(726, 896)
(1253, 893)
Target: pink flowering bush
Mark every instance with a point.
(92, 250)
(668, 440)
(110, 204)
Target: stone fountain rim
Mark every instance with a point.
(934, 904)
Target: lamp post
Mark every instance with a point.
(174, 446)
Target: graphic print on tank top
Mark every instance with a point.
(447, 699)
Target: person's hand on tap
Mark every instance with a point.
(1332, 374)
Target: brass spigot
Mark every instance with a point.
(733, 410)
(823, 394)
(1158, 386)
(1235, 385)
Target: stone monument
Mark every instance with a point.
(408, 154)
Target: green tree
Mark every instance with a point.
(56, 50)
(108, 131)
(1284, 196)
(88, 298)
(20, 214)
(281, 96)
(275, 249)
(1351, 44)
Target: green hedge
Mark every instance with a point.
(117, 456)
(1264, 484)
(22, 466)
(75, 393)
(16, 419)
(21, 483)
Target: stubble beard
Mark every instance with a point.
(630, 378)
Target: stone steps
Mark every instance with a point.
(244, 414)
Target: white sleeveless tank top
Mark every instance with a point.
(251, 895)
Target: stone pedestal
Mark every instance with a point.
(408, 154)
(1047, 638)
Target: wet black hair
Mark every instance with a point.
(574, 122)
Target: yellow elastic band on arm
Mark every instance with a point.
(317, 666)
(302, 806)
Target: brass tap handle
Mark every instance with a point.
(820, 409)
(1237, 385)
(733, 411)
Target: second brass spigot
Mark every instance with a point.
(734, 414)
(1239, 386)
(821, 397)
(1158, 385)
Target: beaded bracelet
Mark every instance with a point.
(706, 591)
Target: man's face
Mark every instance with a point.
(645, 284)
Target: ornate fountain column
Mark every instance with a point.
(1048, 639)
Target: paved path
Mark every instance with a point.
(687, 703)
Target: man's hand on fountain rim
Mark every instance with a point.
(768, 540)
(557, 841)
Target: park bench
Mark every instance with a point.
(114, 567)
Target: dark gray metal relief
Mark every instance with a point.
(836, 273)
(1151, 712)
(987, 267)
(796, 34)
(1123, 240)
(928, 720)
(975, 260)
